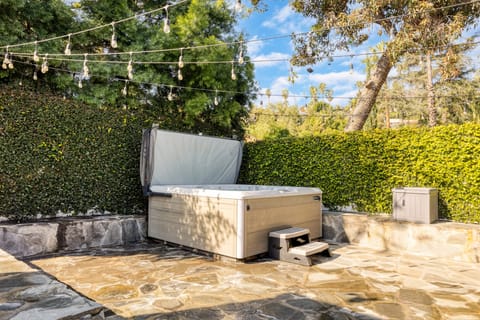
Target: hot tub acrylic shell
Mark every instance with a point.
(230, 219)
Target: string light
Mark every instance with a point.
(180, 75)
(80, 84)
(35, 53)
(166, 22)
(68, 50)
(233, 75)
(85, 70)
(35, 76)
(261, 93)
(238, 5)
(170, 94)
(309, 50)
(135, 16)
(124, 90)
(181, 64)
(215, 100)
(7, 62)
(130, 68)
(44, 68)
(113, 40)
(240, 54)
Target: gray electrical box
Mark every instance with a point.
(415, 204)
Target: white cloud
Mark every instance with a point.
(270, 59)
(286, 21)
(337, 79)
(279, 17)
(254, 46)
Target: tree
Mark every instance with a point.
(198, 97)
(451, 84)
(425, 27)
(277, 120)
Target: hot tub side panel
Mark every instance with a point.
(269, 214)
(204, 223)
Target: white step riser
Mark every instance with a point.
(309, 248)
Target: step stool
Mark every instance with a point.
(294, 245)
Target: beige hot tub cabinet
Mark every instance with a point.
(194, 202)
(231, 222)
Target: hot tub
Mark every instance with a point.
(231, 220)
(193, 199)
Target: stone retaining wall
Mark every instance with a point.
(443, 239)
(450, 240)
(23, 240)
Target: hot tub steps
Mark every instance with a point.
(294, 245)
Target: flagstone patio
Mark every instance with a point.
(157, 281)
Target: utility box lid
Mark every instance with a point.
(174, 158)
(419, 190)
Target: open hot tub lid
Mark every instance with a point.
(173, 158)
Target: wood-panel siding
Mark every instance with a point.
(211, 224)
(204, 223)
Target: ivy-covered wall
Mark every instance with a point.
(362, 168)
(61, 155)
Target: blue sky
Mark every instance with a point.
(280, 19)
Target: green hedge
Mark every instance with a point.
(361, 168)
(60, 155)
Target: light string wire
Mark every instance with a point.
(71, 34)
(211, 45)
(217, 91)
(273, 37)
(139, 62)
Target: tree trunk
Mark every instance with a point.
(369, 93)
(432, 110)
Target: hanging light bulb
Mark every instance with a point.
(85, 70)
(130, 68)
(35, 53)
(68, 51)
(44, 68)
(80, 84)
(215, 100)
(181, 64)
(35, 76)
(308, 40)
(113, 41)
(170, 94)
(6, 61)
(180, 75)
(309, 50)
(240, 56)
(233, 75)
(166, 22)
(238, 5)
(124, 90)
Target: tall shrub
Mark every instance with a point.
(362, 168)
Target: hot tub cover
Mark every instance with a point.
(173, 158)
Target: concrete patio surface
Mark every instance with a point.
(158, 281)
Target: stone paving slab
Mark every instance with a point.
(156, 281)
(26, 293)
